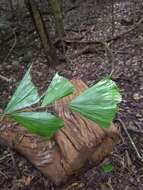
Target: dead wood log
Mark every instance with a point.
(81, 141)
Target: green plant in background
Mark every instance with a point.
(98, 103)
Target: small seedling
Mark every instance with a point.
(107, 168)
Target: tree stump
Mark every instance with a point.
(80, 142)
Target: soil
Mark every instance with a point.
(84, 21)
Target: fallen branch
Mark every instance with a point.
(140, 156)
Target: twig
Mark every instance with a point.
(71, 8)
(14, 163)
(4, 157)
(3, 174)
(109, 183)
(5, 78)
(140, 157)
(82, 42)
(106, 45)
(135, 130)
(75, 5)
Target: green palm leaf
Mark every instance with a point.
(99, 103)
(25, 95)
(59, 88)
(40, 123)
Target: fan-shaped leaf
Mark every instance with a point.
(59, 88)
(40, 123)
(99, 103)
(25, 95)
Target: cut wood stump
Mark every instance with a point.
(81, 141)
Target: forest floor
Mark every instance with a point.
(86, 22)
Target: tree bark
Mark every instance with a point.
(42, 32)
(80, 142)
(57, 11)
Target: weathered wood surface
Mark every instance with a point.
(74, 145)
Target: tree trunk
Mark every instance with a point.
(80, 142)
(57, 11)
(43, 34)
